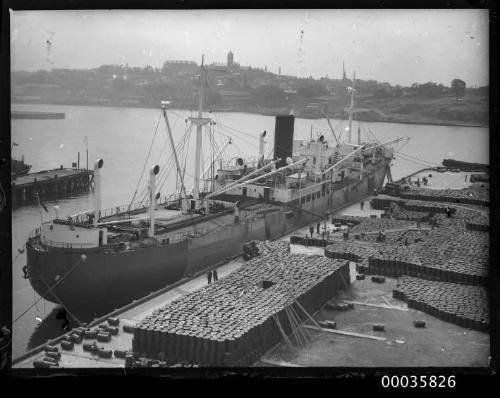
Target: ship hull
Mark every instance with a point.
(113, 279)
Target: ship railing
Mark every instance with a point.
(176, 238)
(138, 206)
(65, 245)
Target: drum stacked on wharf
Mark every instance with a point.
(233, 322)
(464, 305)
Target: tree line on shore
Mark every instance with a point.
(251, 86)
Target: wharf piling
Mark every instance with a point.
(49, 184)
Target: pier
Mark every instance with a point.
(49, 184)
(37, 115)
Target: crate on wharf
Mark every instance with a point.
(235, 320)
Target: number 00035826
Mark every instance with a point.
(422, 381)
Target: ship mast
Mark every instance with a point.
(152, 200)
(180, 174)
(199, 122)
(351, 108)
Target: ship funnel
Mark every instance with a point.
(283, 138)
(97, 189)
(152, 199)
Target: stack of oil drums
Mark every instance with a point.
(383, 203)
(346, 251)
(301, 240)
(457, 271)
(367, 224)
(464, 305)
(479, 222)
(481, 227)
(450, 253)
(464, 196)
(419, 206)
(51, 358)
(344, 220)
(233, 321)
(399, 213)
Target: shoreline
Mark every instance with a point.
(261, 112)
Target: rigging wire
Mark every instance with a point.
(34, 301)
(222, 137)
(162, 171)
(60, 302)
(145, 163)
(233, 130)
(404, 157)
(166, 141)
(415, 159)
(177, 148)
(48, 291)
(246, 140)
(237, 148)
(165, 172)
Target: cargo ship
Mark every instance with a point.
(112, 256)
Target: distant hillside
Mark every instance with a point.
(254, 90)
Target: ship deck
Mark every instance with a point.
(175, 226)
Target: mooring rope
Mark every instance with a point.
(48, 291)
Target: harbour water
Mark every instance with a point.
(122, 137)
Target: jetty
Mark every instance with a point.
(37, 115)
(49, 184)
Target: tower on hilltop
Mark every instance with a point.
(344, 77)
(230, 59)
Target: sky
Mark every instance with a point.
(395, 46)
